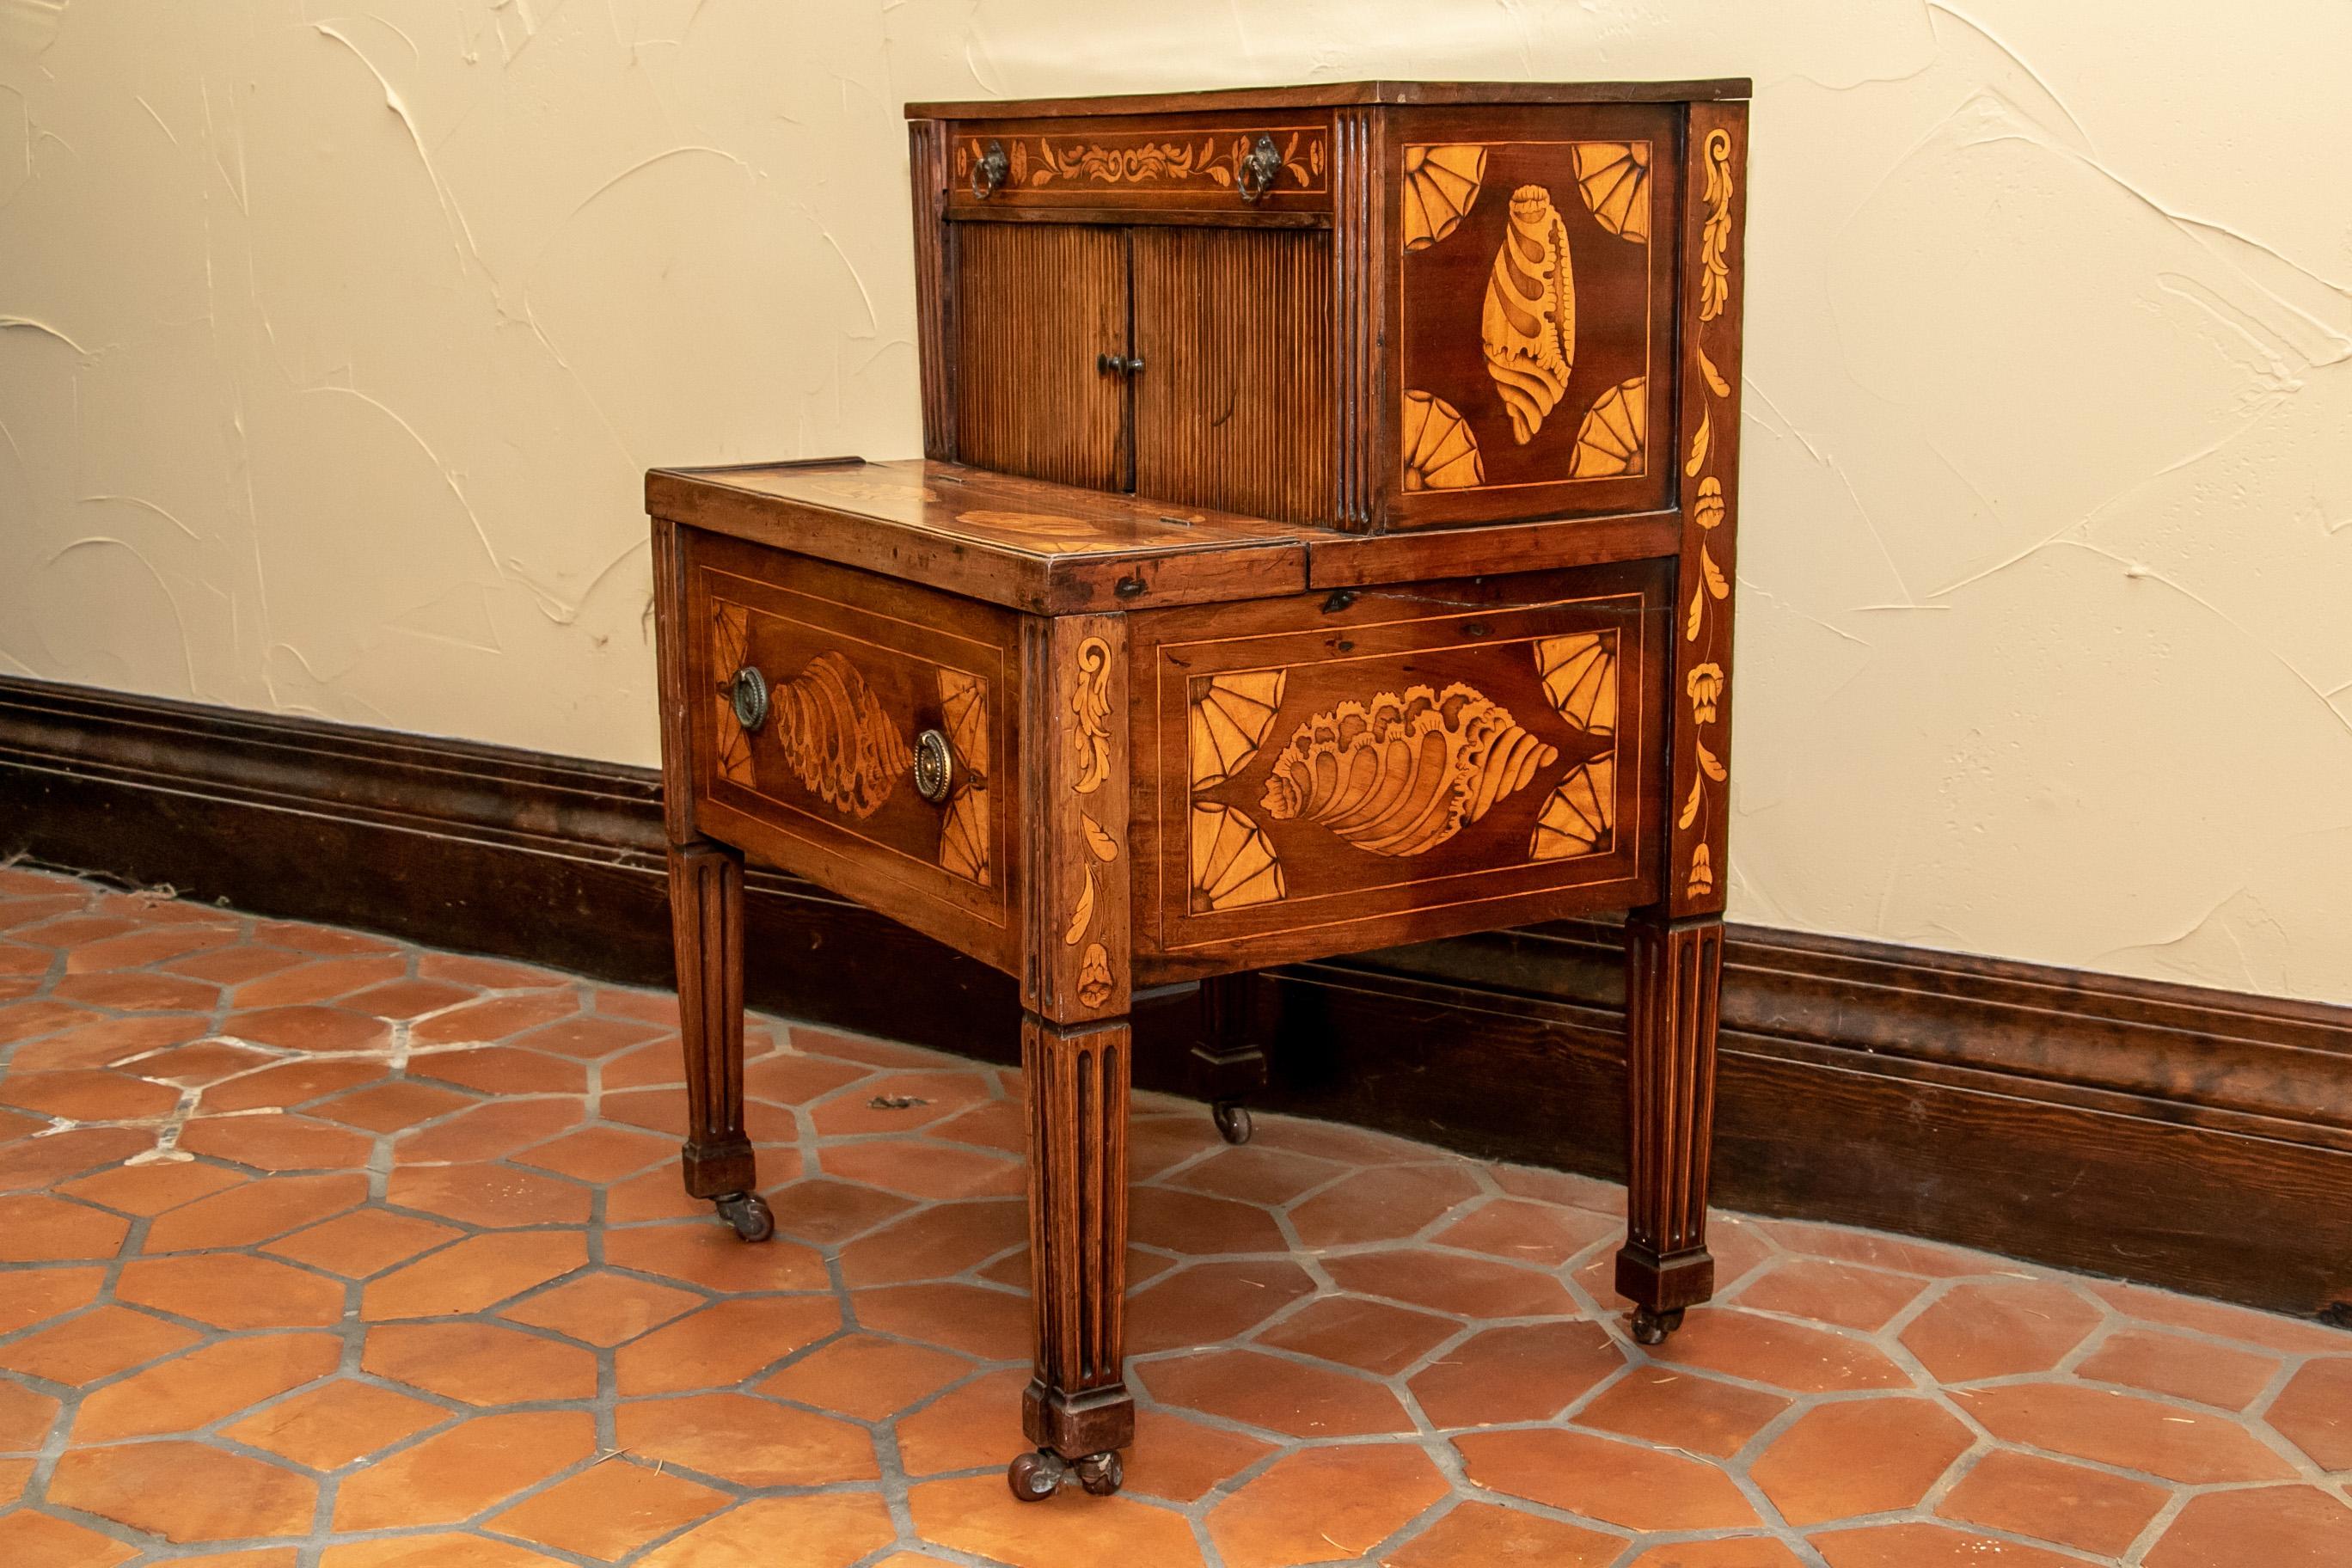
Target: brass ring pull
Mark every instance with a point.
(935, 768)
(747, 692)
(1254, 172)
(987, 173)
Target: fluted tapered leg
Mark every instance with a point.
(706, 900)
(1076, 1081)
(1673, 975)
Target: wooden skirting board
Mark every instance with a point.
(2193, 1139)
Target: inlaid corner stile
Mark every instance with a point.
(1715, 209)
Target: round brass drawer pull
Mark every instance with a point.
(748, 693)
(934, 766)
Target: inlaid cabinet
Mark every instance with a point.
(1323, 539)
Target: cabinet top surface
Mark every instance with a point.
(1327, 95)
(1030, 544)
(1020, 541)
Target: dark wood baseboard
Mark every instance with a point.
(2193, 1139)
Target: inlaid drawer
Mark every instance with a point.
(811, 691)
(1317, 773)
(1269, 167)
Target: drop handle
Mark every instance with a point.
(1119, 364)
(934, 766)
(747, 693)
(1255, 171)
(988, 171)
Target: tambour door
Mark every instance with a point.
(1233, 399)
(1037, 306)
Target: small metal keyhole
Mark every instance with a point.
(934, 766)
(748, 692)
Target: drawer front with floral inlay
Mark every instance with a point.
(1260, 168)
(853, 730)
(1472, 754)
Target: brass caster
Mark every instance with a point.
(749, 1215)
(1233, 1123)
(1036, 1475)
(1100, 1474)
(1651, 1328)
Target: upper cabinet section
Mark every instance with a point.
(1532, 311)
(1376, 307)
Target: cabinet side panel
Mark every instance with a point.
(1234, 404)
(1035, 306)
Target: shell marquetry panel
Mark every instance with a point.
(1320, 763)
(856, 666)
(1533, 313)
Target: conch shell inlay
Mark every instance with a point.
(1403, 775)
(1529, 325)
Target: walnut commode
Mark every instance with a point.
(1324, 541)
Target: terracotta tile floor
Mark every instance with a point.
(322, 1251)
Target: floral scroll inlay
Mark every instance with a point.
(1529, 327)
(1441, 185)
(840, 742)
(1088, 738)
(1715, 237)
(1148, 158)
(1706, 684)
(730, 646)
(1440, 451)
(1090, 731)
(1400, 775)
(963, 825)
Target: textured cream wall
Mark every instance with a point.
(334, 336)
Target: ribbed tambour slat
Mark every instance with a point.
(1036, 305)
(1234, 407)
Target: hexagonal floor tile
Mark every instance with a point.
(1323, 1503)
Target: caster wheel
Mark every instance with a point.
(1233, 1123)
(1100, 1474)
(1651, 1328)
(749, 1215)
(1036, 1476)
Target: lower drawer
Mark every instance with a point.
(1325, 772)
(819, 778)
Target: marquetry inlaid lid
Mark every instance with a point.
(1024, 542)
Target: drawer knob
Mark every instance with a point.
(1254, 173)
(934, 766)
(989, 171)
(748, 694)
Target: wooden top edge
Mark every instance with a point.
(1329, 95)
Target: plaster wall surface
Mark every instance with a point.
(335, 335)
